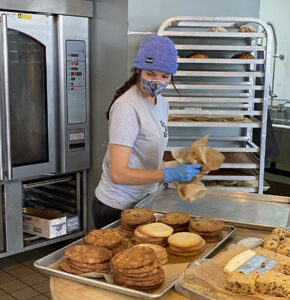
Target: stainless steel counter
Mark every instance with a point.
(246, 209)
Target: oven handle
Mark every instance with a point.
(6, 96)
(1, 114)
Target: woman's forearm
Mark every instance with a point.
(136, 176)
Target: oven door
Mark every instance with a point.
(27, 99)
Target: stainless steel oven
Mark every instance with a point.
(44, 120)
(44, 124)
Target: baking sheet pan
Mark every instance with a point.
(188, 292)
(241, 209)
(46, 263)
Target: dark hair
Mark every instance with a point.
(125, 87)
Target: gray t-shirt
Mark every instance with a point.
(137, 123)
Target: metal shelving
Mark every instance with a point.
(221, 87)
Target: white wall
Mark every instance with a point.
(277, 12)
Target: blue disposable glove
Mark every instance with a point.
(181, 173)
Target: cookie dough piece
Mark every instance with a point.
(284, 249)
(242, 283)
(272, 237)
(271, 245)
(284, 267)
(280, 232)
(273, 283)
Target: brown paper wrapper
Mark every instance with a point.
(209, 159)
(209, 278)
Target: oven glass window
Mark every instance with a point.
(28, 103)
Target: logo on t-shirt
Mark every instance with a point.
(165, 129)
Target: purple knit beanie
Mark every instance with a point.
(157, 53)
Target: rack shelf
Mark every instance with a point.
(222, 91)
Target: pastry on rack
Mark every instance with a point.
(198, 55)
(247, 28)
(244, 55)
(201, 119)
(218, 29)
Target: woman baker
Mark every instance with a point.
(138, 134)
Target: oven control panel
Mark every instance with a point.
(76, 82)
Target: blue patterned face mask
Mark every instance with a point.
(153, 87)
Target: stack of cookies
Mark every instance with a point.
(132, 218)
(82, 259)
(153, 233)
(177, 220)
(107, 238)
(208, 228)
(185, 244)
(160, 252)
(137, 268)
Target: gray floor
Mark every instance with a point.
(20, 280)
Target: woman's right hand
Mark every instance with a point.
(181, 173)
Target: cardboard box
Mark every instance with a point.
(44, 223)
(72, 222)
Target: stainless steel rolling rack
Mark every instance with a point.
(222, 89)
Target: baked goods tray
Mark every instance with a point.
(190, 292)
(49, 263)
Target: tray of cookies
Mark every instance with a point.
(234, 275)
(141, 255)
